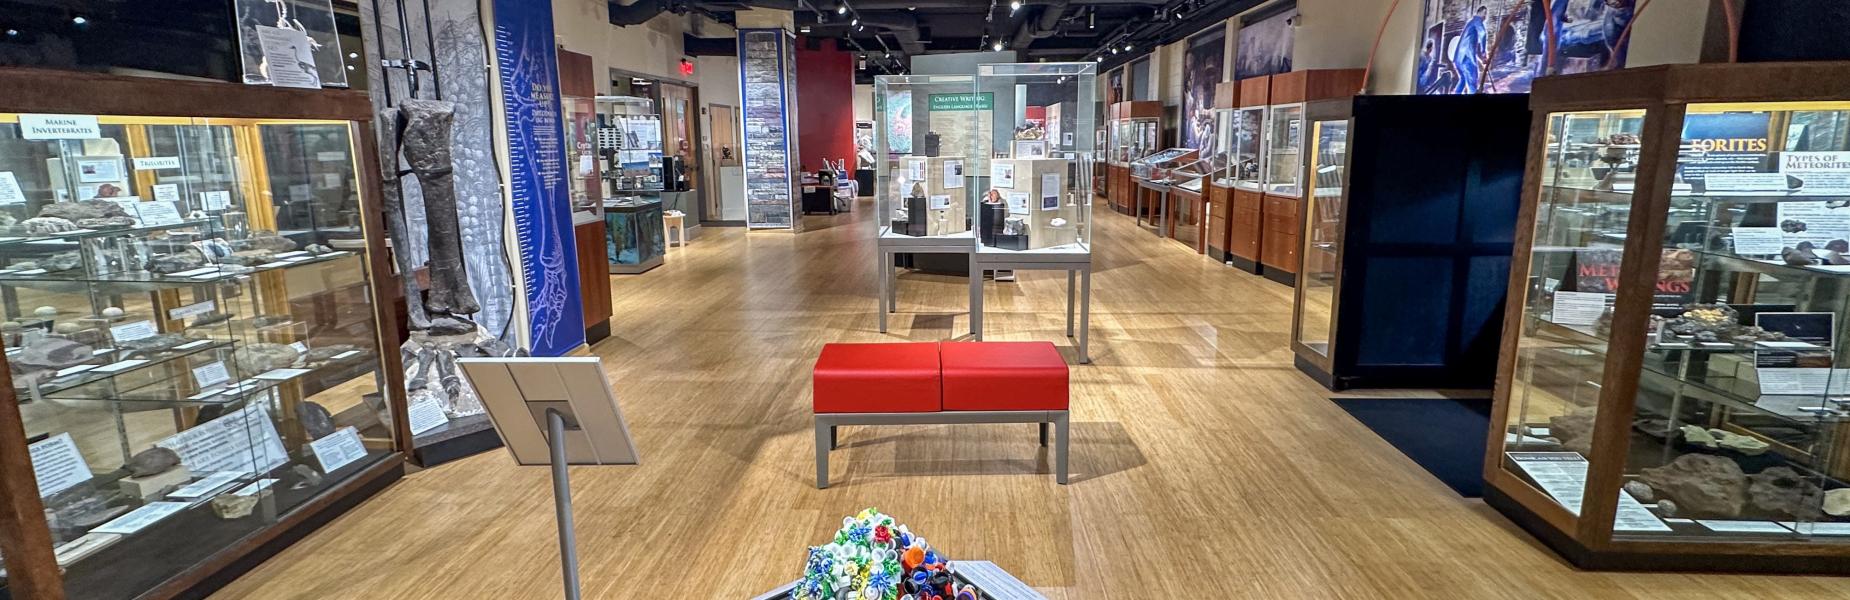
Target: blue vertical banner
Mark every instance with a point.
(529, 68)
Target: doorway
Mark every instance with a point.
(725, 202)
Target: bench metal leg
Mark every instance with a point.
(1062, 437)
(886, 278)
(976, 300)
(1043, 434)
(1085, 314)
(822, 454)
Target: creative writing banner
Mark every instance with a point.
(528, 66)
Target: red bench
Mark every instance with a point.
(940, 383)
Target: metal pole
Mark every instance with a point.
(562, 500)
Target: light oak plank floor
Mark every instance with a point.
(1204, 465)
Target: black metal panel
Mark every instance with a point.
(1435, 183)
(182, 37)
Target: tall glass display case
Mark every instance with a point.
(929, 151)
(1323, 225)
(1033, 201)
(1670, 392)
(192, 326)
(1284, 150)
(1135, 132)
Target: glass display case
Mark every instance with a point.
(584, 154)
(1675, 390)
(1243, 165)
(1323, 230)
(629, 146)
(1156, 166)
(929, 151)
(1283, 147)
(1134, 138)
(634, 240)
(1032, 200)
(1226, 135)
(192, 328)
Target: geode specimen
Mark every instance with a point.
(233, 506)
(1702, 485)
(84, 209)
(183, 260)
(262, 357)
(316, 420)
(48, 225)
(62, 261)
(1575, 429)
(1782, 494)
(152, 461)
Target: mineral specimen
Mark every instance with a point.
(67, 328)
(316, 420)
(308, 475)
(48, 225)
(153, 461)
(46, 311)
(1666, 507)
(107, 223)
(1748, 445)
(318, 249)
(179, 261)
(52, 353)
(1640, 491)
(263, 357)
(233, 506)
(1575, 429)
(267, 241)
(152, 344)
(112, 312)
(1837, 502)
(1697, 436)
(1781, 493)
(250, 257)
(323, 354)
(1703, 485)
(261, 321)
(62, 261)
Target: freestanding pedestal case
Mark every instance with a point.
(1397, 284)
(1670, 390)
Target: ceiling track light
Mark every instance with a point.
(855, 22)
(997, 47)
(841, 9)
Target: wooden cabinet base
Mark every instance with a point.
(1244, 229)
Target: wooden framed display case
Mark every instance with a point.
(1397, 278)
(1136, 132)
(1219, 185)
(1282, 166)
(190, 281)
(1669, 394)
(578, 102)
(1245, 224)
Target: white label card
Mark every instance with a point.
(57, 464)
(426, 414)
(346, 355)
(953, 174)
(1744, 182)
(1050, 191)
(288, 58)
(205, 486)
(1001, 174)
(9, 189)
(1579, 308)
(67, 372)
(159, 213)
(940, 202)
(128, 332)
(244, 440)
(192, 272)
(215, 200)
(193, 344)
(155, 163)
(1759, 241)
(283, 374)
(299, 347)
(1564, 476)
(1018, 203)
(338, 449)
(1743, 526)
(1805, 381)
(122, 365)
(915, 169)
(192, 310)
(211, 374)
(141, 518)
(167, 192)
(59, 127)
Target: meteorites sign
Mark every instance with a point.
(1597, 270)
(528, 65)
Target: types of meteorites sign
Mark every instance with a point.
(528, 67)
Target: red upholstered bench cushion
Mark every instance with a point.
(1003, 376)
(877, 378)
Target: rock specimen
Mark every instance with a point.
(308, 475)
(67, 328)
(153, 461)
(1697, 436)
(261, 321)
(267, 241)
(318, 249)
(1666, 507)
(106, 223)
(233, 506)
(262, 357)
(112, 312)
(62, 261)
(85, 209)
(48, 225)
(188, 258)
(316, 420)
(152, 344)
(322, 354)
(1743, 444)
(46, 311)
(52, 353)
(1640, 491)
(1703, 485)
(1782, 494)
(1575, 429)
(250, 257)
(1837, 502)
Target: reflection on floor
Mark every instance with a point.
(1204, 465)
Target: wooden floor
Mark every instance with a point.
(1204, 465)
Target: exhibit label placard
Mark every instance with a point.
(244, 441)
(57, 464)
(338, 449)
(59, 127)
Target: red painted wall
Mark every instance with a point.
(825, 105)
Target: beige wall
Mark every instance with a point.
(863, 102)
(652, 48)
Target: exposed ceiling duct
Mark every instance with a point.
(1044, 25)
(901, 24)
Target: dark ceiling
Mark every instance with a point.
(888, 32)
